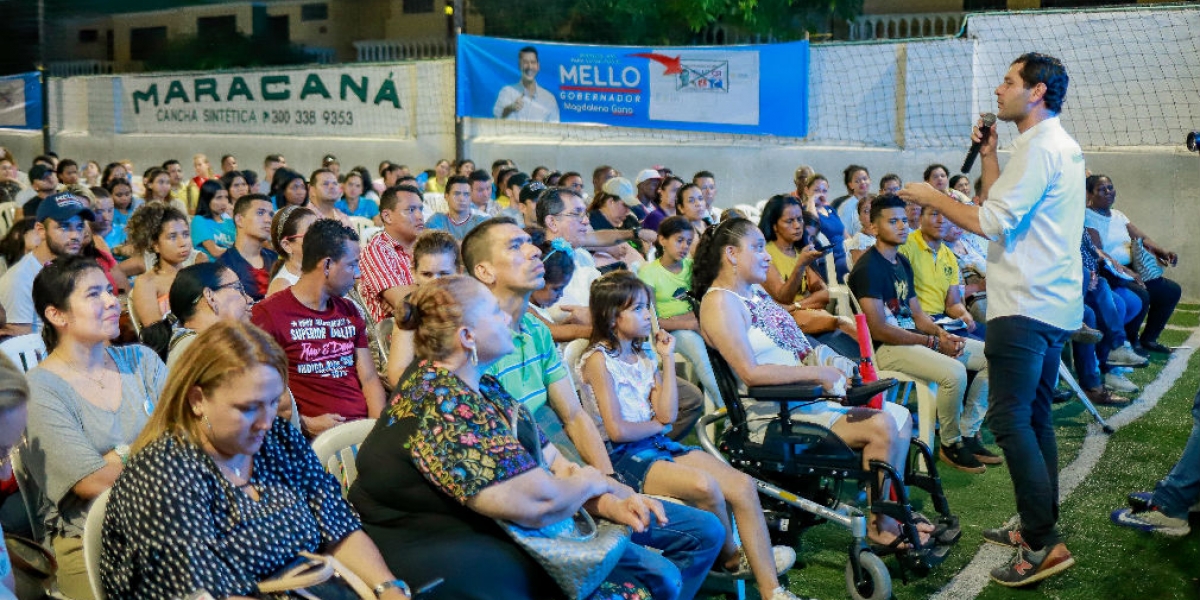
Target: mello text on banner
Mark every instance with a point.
(760, 89)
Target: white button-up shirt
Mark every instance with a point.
(1033, 218)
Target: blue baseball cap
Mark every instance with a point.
(62, 206)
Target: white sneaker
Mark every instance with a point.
(783, 594)
(783, 556)
(1119, 384)
(1126, 357)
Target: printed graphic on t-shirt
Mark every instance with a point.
(326, 348)
(898, 305)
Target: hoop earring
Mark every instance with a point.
(474, 356)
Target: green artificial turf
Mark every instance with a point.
(1112, 562)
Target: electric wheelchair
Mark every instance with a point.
(802, 469)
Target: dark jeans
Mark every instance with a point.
(1164, 295)
(839, 342)
(1088, 368)
(1023, 356)
(1176, 493)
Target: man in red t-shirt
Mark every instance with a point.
(330, 371)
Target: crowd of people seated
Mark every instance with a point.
(515, 336)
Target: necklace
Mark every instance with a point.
(236, 472)
(96, 380)
(458, 223)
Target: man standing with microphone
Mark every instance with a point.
(1033, 217)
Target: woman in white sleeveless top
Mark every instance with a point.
(764, 346)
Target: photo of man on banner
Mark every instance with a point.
(526, 100)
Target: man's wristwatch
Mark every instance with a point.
(399, 584)
(636, 233)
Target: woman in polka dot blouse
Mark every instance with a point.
(220, 493)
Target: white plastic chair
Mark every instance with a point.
(92, 528)
(926, 391)
(8, 216)
(361, 224)
(133, 318)
(26, 351)
(839, 293)
(35, 503)
(338, 447)
(434, 203)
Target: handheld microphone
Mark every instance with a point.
(985, 130)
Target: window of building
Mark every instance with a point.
(973, 5)
(88, 36)
(314, 12)
(418, 6)
(216, 27)
(278, 29)
(145, 42)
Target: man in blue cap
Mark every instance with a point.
(60, 223)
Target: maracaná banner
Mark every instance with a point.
(368, 101)
(758, 89)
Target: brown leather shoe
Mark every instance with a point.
(1102, 397)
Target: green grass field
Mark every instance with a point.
(1111, 562)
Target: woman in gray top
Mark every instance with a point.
(88, 401)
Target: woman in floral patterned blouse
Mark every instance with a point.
(454, 452)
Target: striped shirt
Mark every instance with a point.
(385, 264)
(528, 370)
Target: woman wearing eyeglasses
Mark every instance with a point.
(201, 296)
(88, 401)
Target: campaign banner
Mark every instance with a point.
(759, 89)
(343, 100)
(21, 101)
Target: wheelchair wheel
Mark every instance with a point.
(876, 583)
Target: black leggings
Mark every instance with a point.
(1159, 298)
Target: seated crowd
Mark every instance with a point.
(515, 337)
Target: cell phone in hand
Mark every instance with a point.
(824, 249)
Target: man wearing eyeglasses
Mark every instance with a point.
(330, 370)
(561, 212)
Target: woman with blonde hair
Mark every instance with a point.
(204, 172)
(255, 494)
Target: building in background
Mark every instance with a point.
(330, 31)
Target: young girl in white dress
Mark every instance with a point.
(634, 403)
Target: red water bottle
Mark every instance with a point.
(866, 366)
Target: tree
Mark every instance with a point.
(658, 22)
(232, 50)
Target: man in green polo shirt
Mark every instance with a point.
(935, 272)
(502, 257)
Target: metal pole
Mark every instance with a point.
(459, 141)
(42, 77)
